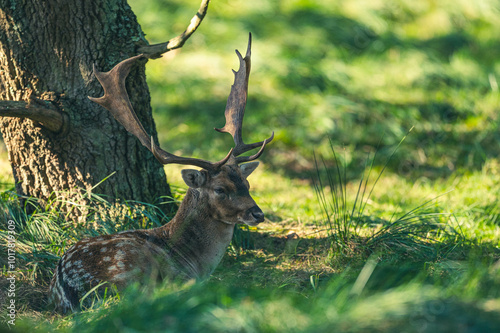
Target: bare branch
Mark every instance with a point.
(48, 118)
(156, 50)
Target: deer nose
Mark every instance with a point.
(257, 214)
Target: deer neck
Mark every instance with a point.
(196, 240)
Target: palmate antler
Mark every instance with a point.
(116, 100)
(235, 110)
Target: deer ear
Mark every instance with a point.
(193, 178)
(248, 168)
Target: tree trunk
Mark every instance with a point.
(47, 49)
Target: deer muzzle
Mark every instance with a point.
(254, 215)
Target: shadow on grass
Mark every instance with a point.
(291, 262)
(280, 272)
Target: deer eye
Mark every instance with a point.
(219, 191)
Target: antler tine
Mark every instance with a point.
(242, 159)
(116, 101)
(235, 109)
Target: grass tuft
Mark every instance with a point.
(416, 233)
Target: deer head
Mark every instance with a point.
(226, 193)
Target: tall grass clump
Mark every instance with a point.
(350, 226)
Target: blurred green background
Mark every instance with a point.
(359, 72)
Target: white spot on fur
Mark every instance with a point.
(123, 276)
(69, 254)
(120, 255)
(124, 243)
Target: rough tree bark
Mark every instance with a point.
(47, 49)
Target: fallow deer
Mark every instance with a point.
(192, 244)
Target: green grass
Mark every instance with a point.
(353, 71)
(419, 253)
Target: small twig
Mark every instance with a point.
(156, 50)
(47, 117)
